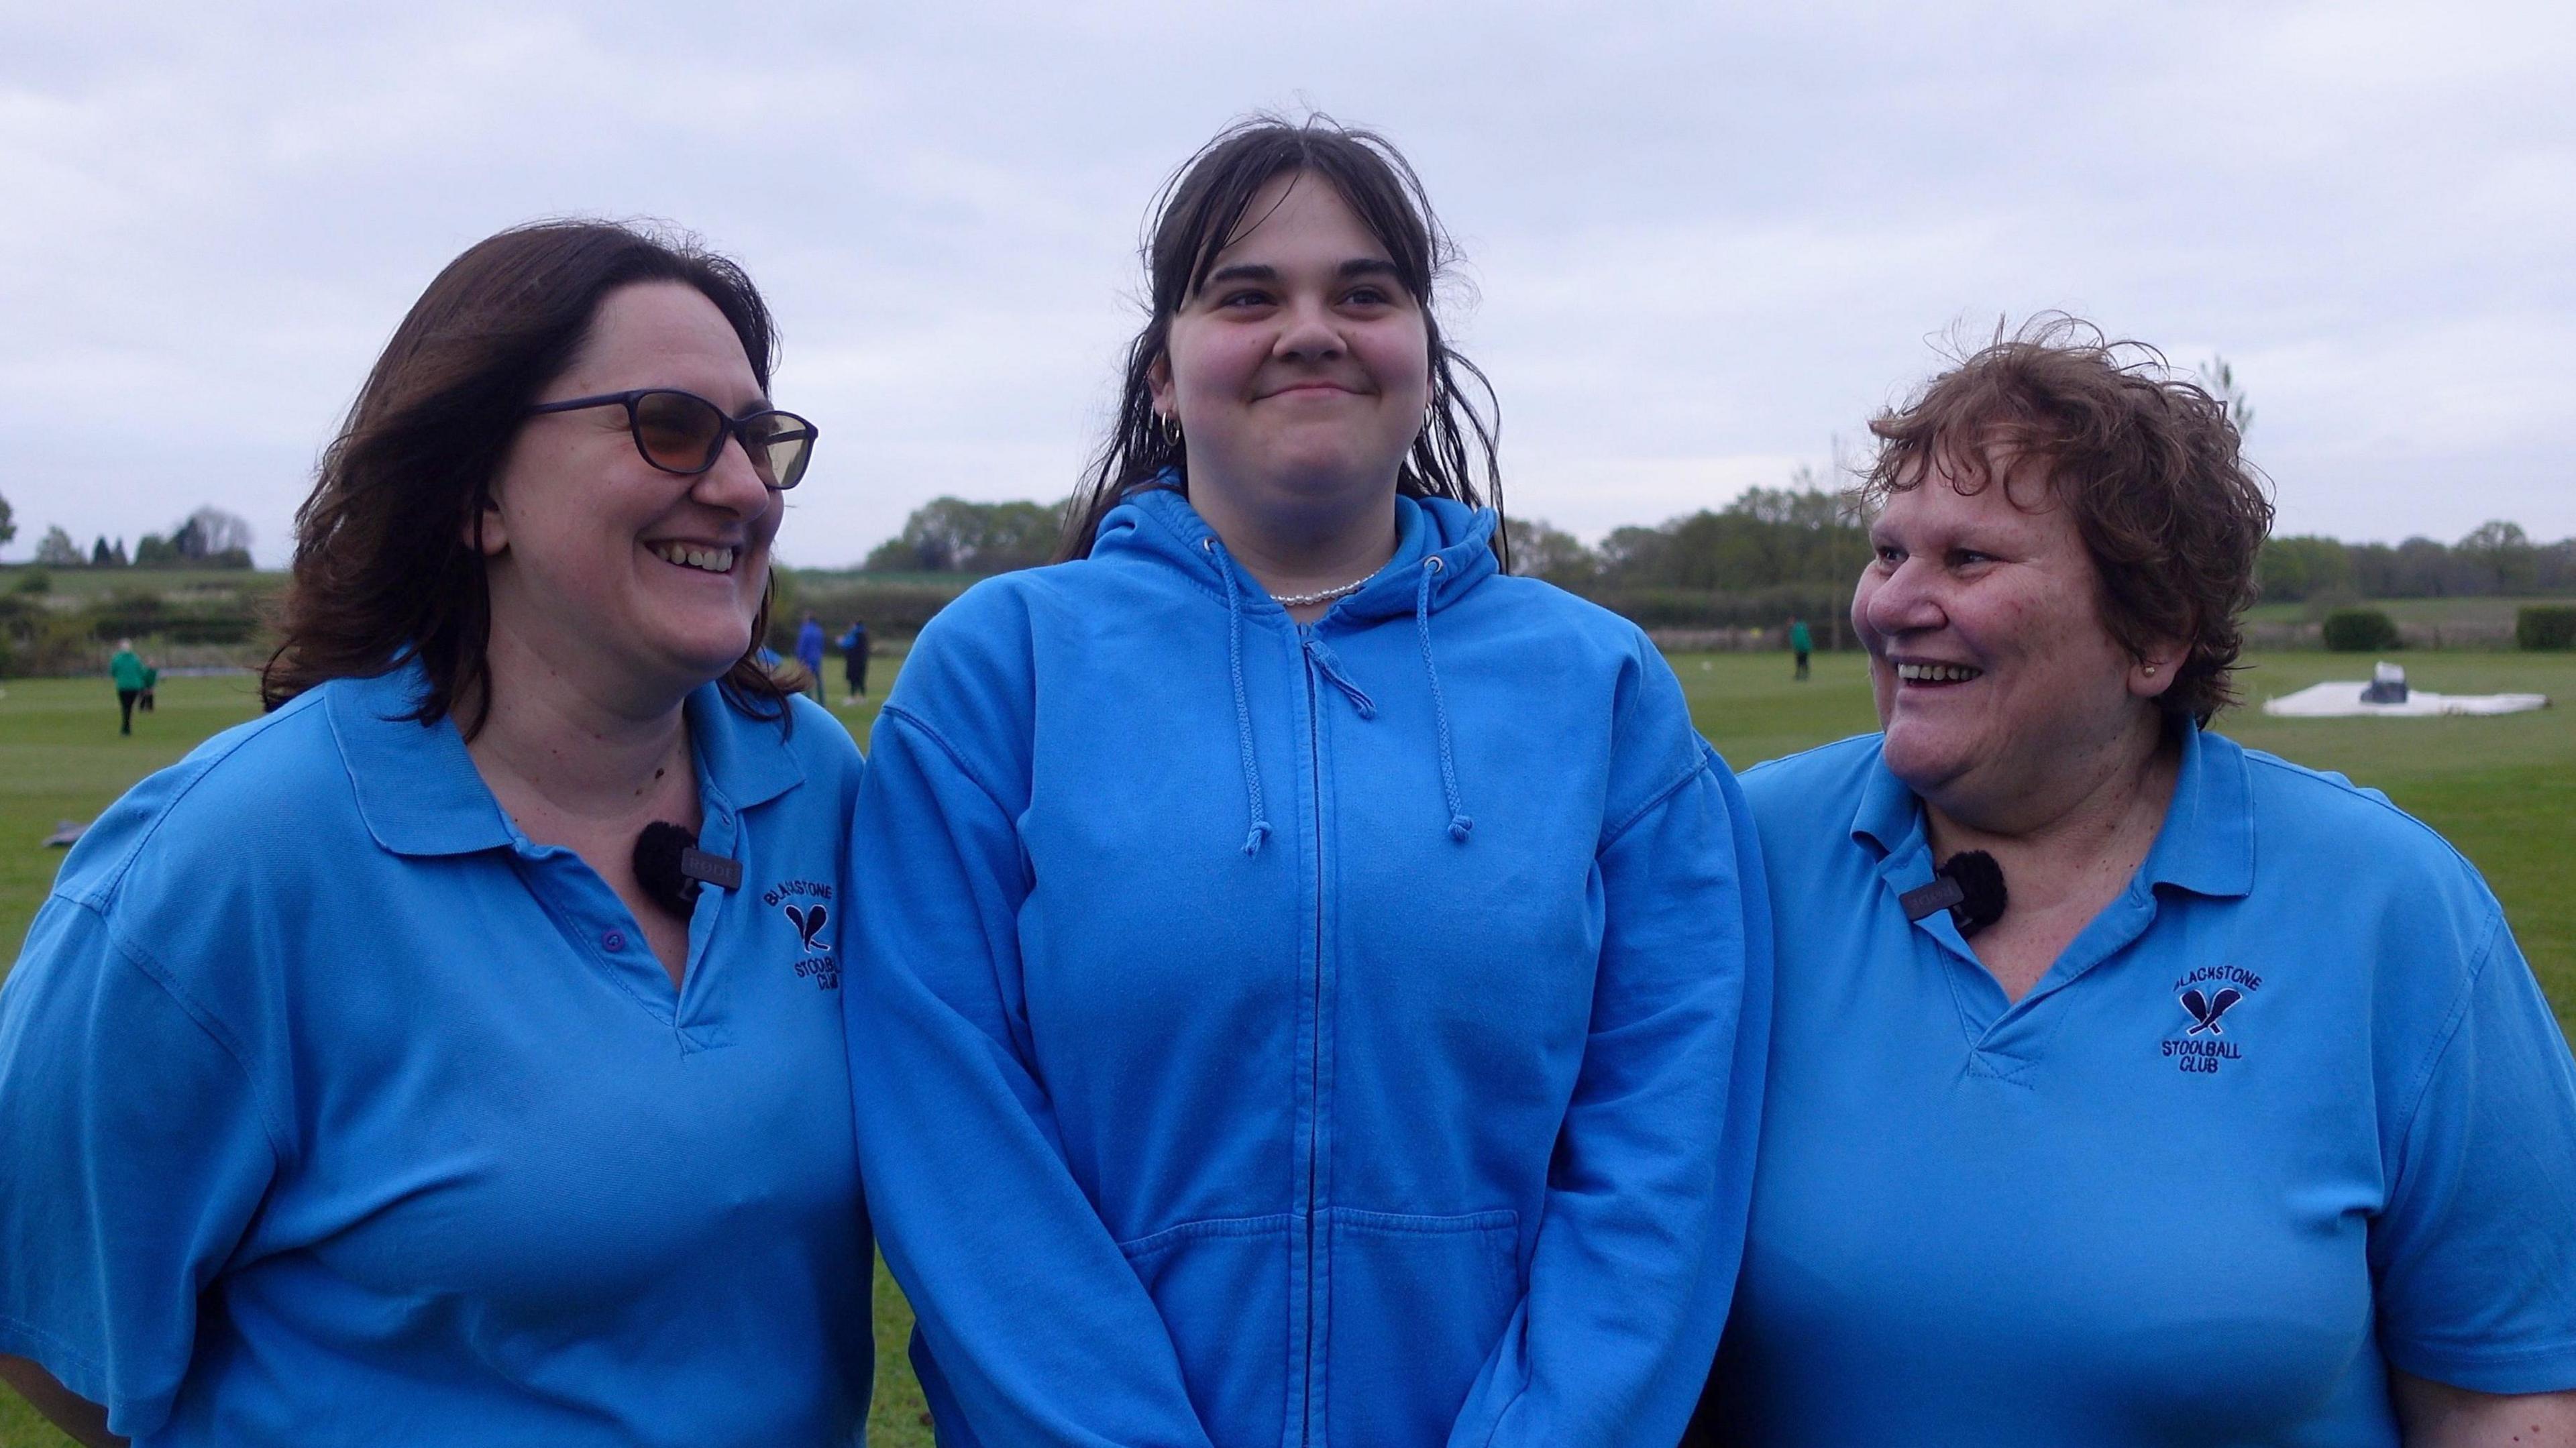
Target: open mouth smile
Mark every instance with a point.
(705, 560)
(1936, 673)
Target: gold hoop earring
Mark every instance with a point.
(1169, 424)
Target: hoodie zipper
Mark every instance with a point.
(1315, 1046)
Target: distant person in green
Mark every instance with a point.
(131, 679)
(1801, 643)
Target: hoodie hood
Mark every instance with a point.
(1443, 549)
(1158, 522)
(1356, 1018)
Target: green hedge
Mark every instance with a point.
(893, 610)
(36, 641)
(224, 620)
(1685, 608)
(897, 605)
(2548, 626)
(39, 639)
(2360, 631)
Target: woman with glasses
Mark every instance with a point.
(455, 1053)
(1310, 985)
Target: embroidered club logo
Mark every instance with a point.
(2205, 1012)
(2206, 995)
(809, 923)
(802, 901)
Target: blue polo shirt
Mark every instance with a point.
(2289, 1113)
(333, 1111)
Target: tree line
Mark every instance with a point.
(952, 535)
(1791, 538)
(1769, 555)
(1766, 537)
(206, 538)
(2497, 558)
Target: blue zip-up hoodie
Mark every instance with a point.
(1342, 1034)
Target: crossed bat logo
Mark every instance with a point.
(809, 923)
(2206, 1011)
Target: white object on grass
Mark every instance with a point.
(2387, 693)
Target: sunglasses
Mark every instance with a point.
(681, 432)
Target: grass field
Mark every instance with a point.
(2503, 790)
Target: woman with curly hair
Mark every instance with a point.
(2128, 1087)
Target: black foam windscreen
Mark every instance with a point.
(1981, 890)
(657, 866)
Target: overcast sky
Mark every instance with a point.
(1703, 242)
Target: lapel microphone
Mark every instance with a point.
(1970, 886)
(670, 867)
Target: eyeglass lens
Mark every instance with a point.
(684, 433)
(778, 443)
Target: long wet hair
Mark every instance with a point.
(388, 555)
(1200, 212)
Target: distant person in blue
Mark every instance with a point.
(1308, 984)
(2244, 1121)
(809, 652)
(1801, 644)
(363, 1081)
(853, 644)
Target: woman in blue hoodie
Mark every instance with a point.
(1312, 985)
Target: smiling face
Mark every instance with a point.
(1997, 683)
(1300, 368)
(637, 583)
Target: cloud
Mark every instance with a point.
(1704, 243)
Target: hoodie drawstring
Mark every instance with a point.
(1459, 824)
(1329, 667)
(1242, 707)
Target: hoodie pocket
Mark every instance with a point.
(1222, 1288)
(1418, 1304)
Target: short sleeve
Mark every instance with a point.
(2475, 1255)
(136, 1154)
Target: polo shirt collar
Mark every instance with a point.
(417, 788)
(1889, 814)
(419, 793)
(743, 759)
(2206, 844)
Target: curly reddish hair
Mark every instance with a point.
(2148, 463)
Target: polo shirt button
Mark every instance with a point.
(614, 940)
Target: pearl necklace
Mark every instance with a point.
(1304, 600)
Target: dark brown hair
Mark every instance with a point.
(1200, 212)
(2147, 462)
(387, 561)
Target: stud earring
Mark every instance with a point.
(2151, 671)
